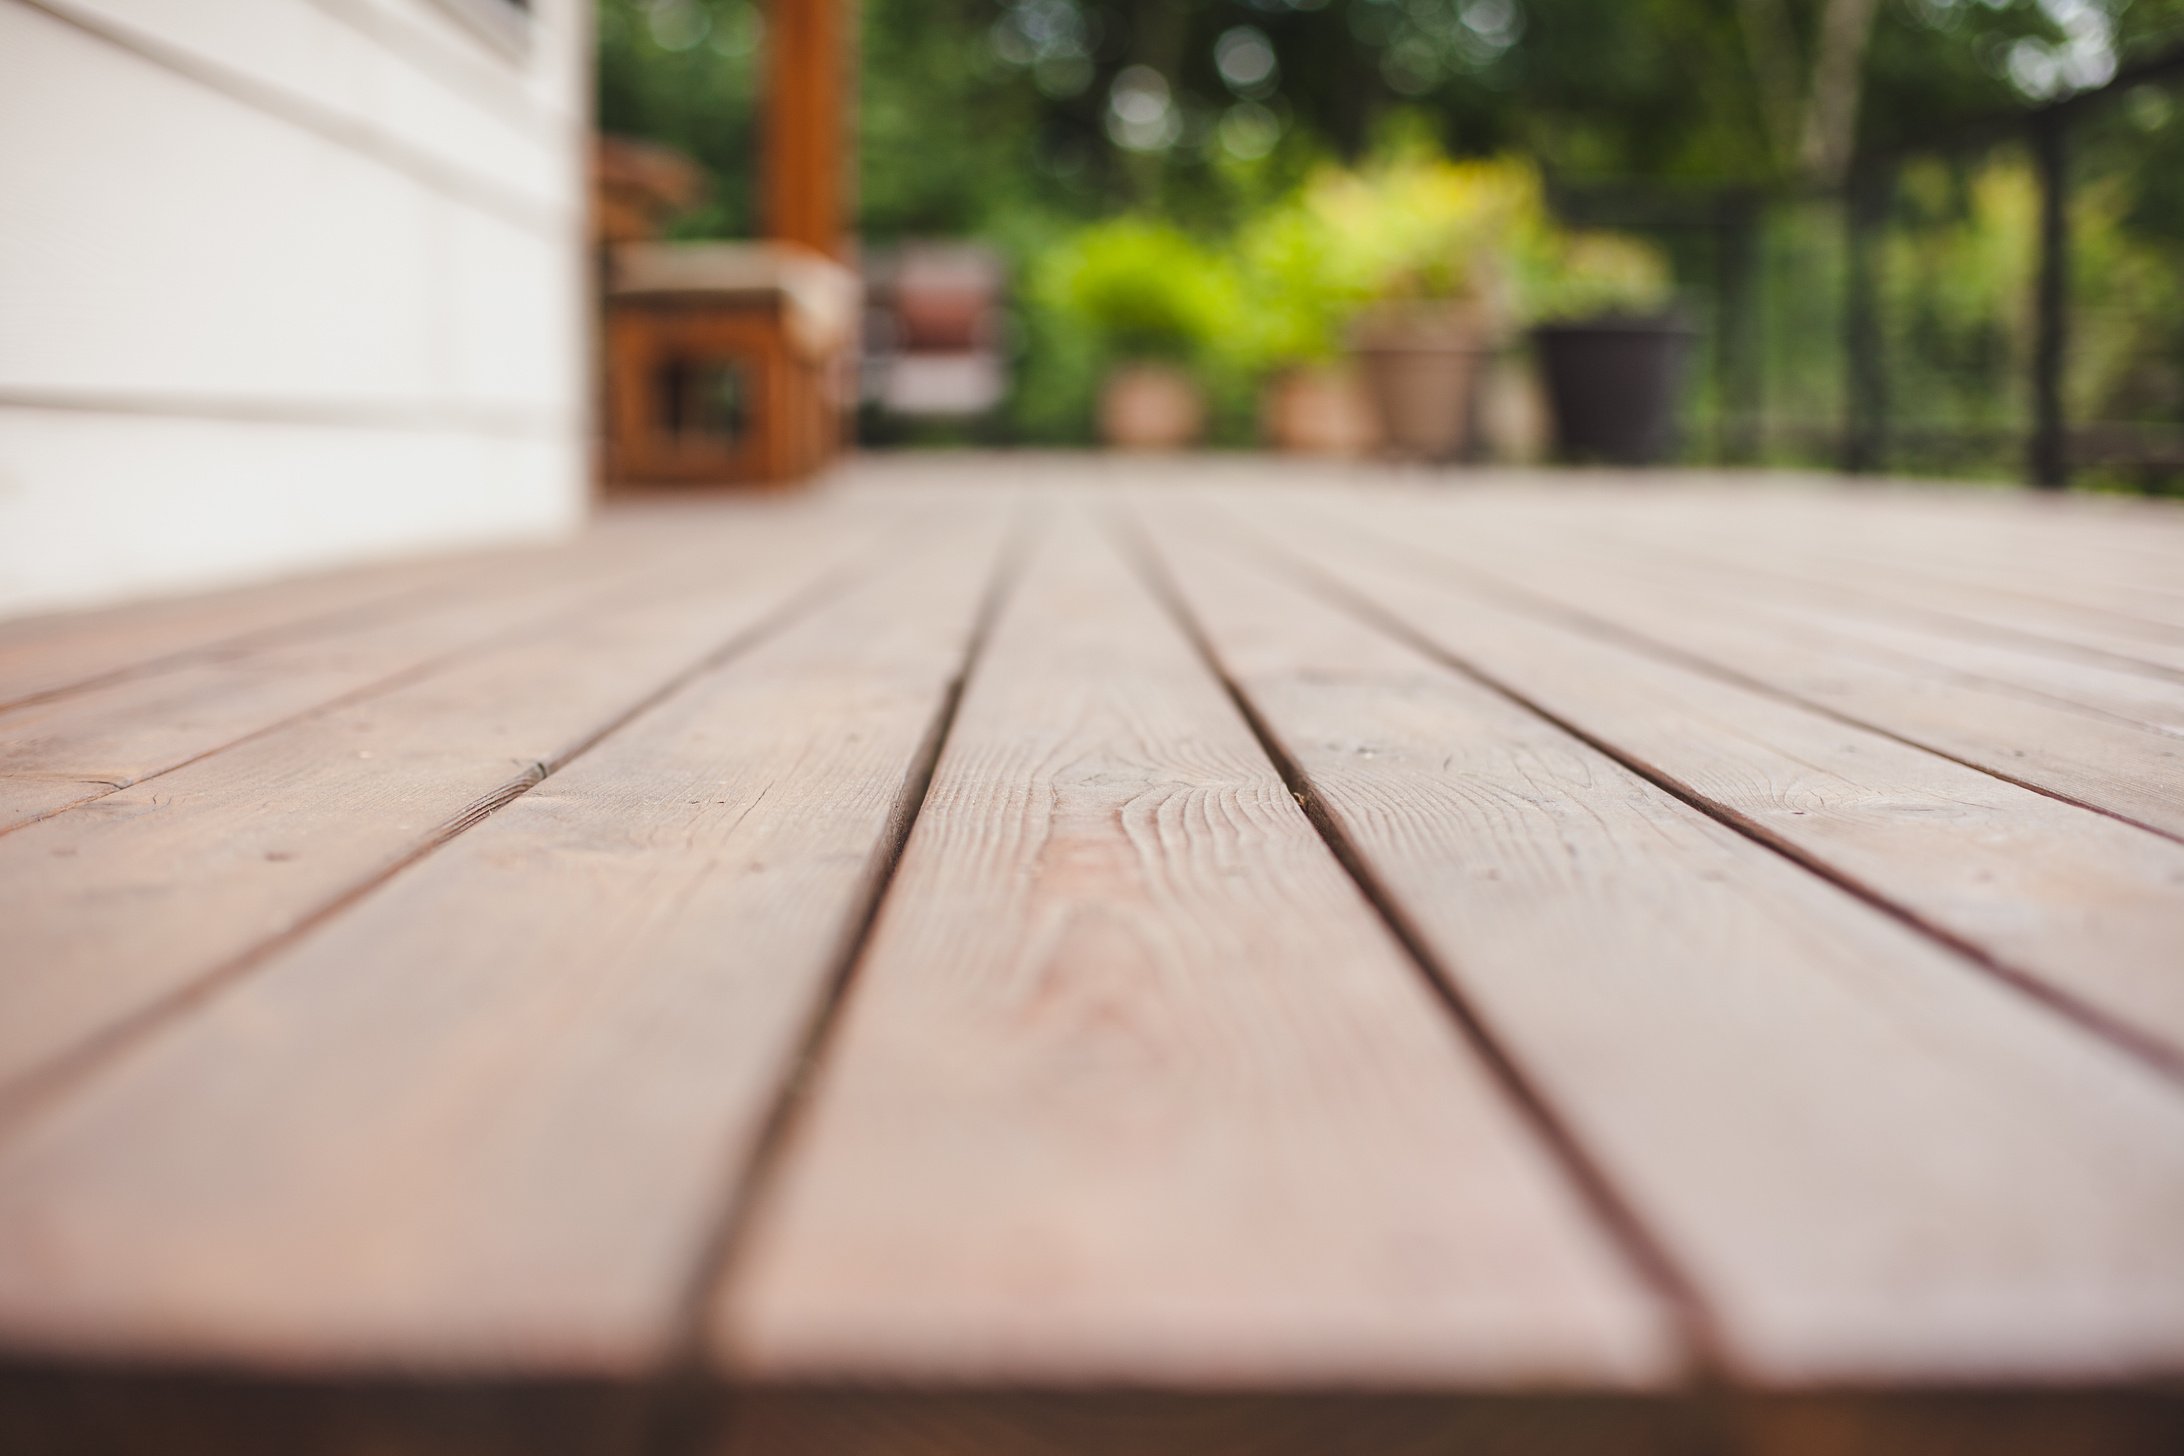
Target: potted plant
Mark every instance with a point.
(1612, 347)
(1157, 305)
(1425, 234)
(1302, 291)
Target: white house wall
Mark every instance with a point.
(283, 283)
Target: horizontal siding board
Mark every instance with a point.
(311, 61)
(334, 311)
(123, 505)
(248, 258)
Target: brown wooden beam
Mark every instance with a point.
(808, 123)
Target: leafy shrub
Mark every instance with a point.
(1143, 290)
(1302, 287)
(1569, 276)
(1412, 226)
(1408, 228)
(1959, 271)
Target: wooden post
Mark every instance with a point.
(808, 123)
(2049, 452)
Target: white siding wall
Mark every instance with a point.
(283, 283)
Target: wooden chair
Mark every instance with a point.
(735, 361)
(728, 362)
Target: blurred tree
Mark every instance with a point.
(685, 73)
(978, 114)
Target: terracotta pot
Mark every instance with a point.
(1318, 410)
(1151, 407)
(1422, 364)
(1615, 384)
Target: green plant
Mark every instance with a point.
(1412, 226)
(1301, 286)
(1142, 290)
(1567, 276)
(1408, 227)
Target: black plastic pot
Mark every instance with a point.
(1614, 385)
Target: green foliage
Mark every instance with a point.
(685, 73)
(1310, 136)
(947, 145)
(1585, 275)
(1304, 286)
(1143, 290)
(1412, 226)
(1408, 227)
(1960, 267)
(969, 108)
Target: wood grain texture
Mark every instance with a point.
(82, 745)
(486, 1119)
(2086, 907)
(1873, 1162)
(40, 656)
(435, 1102)
(1132, 1086)
(2046, 584)
(131, 899)
(2129, 666)
(2109, 610)
(2132, 772)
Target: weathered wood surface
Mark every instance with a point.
(1182, 957)
(203, 867)
(583, 1070)
(1133, 1086)
(76, 745)
(1640, 958)
(2079, 903)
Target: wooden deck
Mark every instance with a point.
(1022, 956)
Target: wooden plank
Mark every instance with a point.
(482, 1124)
(1946, 567)
(2113, 571)
(914, 1421)
(118, 906)
(2085, 908)
(1940, 523)
(909, 1422)
(1873, 1162)
(1133, 1089)
(45, 655)
(1906, 585)
(1859, 601)
(2131, 772)
(78, 746)
(2078, 556)
(120, 1411)
(2137, 695)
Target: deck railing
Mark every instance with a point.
(2003, 299)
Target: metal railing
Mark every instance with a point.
(1813, 347)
